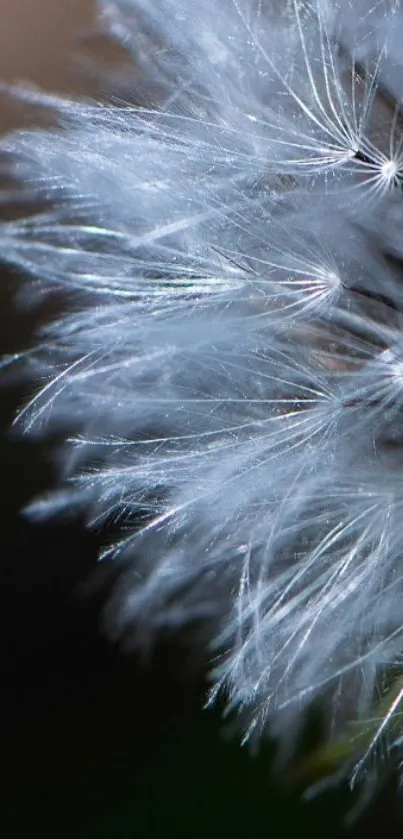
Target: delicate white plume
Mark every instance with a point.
(229, 368)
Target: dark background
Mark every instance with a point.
(96, 742)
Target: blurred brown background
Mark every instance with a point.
(38, 39)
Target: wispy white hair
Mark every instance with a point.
(230, 367)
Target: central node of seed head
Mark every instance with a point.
(395, 364)
(333, 280)
(389, 170)
(329, 280)
(397, 371)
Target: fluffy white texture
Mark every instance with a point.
(230, 370)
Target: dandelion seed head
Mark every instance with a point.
(228, 360)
